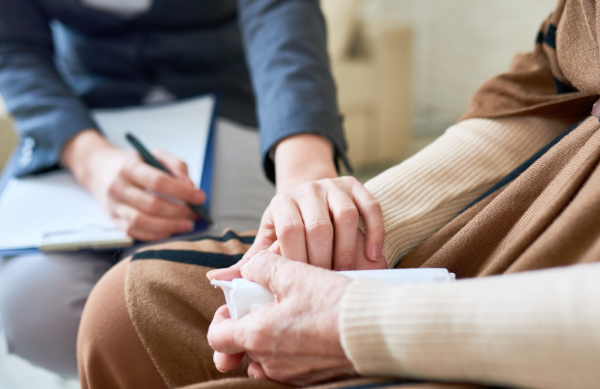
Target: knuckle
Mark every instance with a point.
(157, 183)
(154, 205)
(289, 228)
(374, 206)
(309, 188)
(346, 213)
(114, 189)
(137, 220)
(319, 227)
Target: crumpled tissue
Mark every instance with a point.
(245, 296)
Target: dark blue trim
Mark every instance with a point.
(540, 38)
(562, 88)
(517, 172)
(212, 260)
(550, 38)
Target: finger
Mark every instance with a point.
(275, 249)
(221, 333)
(345, 221)
(149, 203)
(362, 262)
(227, 362)
(277, 274)
(148, 177)
(317, 225)
(138, 220)
(139, 234)
(289, 229)
(370, 209)
(174, 165)
(256, 371)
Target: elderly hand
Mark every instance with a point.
(294, 339)
(315, 214)
(143, 201)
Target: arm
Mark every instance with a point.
(422, 194)
(539, 329)
(55, 128)
(286, 51)
(46, 112)
(299, 121)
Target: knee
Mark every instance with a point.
(40, 309)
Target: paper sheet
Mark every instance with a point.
(53, 209)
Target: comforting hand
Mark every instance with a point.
(317, 222)
(315, 214)
(143, 201)
(294, 339)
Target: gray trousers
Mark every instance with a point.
(42, 296)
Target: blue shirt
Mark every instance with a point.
(267, 59)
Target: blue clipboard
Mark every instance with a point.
(205, 184)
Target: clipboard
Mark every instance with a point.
(84, 237)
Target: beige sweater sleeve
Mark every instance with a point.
(538, 329)
(425, 192)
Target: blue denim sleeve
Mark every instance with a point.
(46, 112)
(286, 50)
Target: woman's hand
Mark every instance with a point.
(294, 339)
(315, 214)
(145, 202)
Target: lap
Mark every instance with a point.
(41, 300)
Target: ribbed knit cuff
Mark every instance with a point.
(537, 329)
(425, 192)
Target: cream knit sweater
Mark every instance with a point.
(538, 329)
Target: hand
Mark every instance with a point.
(294, 339)
(361, 262)
(143, 201)
(315, 214)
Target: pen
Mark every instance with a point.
(150, 160)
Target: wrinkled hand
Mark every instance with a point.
(294, 339)
(143, 201)
(317, 223)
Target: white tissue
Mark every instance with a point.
(245, 296)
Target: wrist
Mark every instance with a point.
(80, 151)
(303, 158)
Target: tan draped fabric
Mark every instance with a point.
(547, 215)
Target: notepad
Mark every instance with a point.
(53, 212)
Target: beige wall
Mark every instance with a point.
(459, 44)
(8, 140)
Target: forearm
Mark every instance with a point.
(539, 329)
(303, 158)
(422, 194)
(286, 50)
(45, 111)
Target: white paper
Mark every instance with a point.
(53, 210)
(244, 296)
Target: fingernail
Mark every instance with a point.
(222, 371)
(185, 226)
(375, 252)
(198, 197)
(208, 273)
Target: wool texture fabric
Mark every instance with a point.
(146, 321)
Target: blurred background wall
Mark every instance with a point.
(406, 68)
